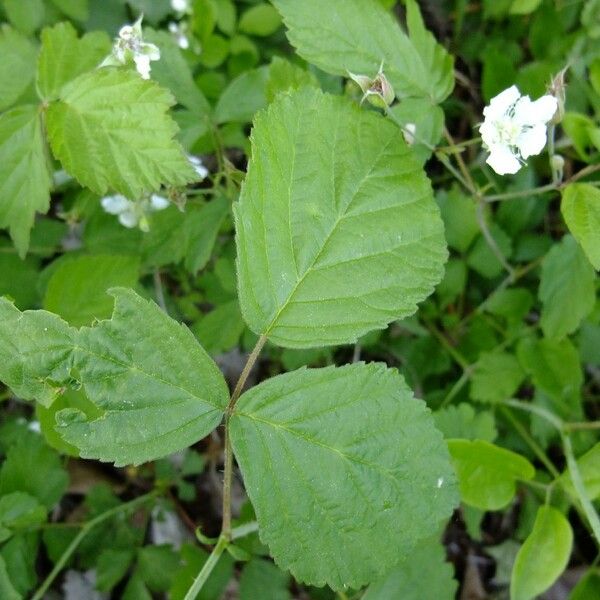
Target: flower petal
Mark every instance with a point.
(158, 202)
(116, 204)
(142, 64)
(532, 140)
(502, 160)
(129, 219)
(489, 133)
(500, 104)
(540, 111)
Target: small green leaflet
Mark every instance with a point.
(159, 390)
(567, 288)
(496, 377)
(337, 230)
(461, 421)
(544, 555)
(345, 470)
(487, 474)
(17, 67)
(358, 35)
(64, 57)
(24, 177)
(35, 352)
(580, 207)
(111, 131)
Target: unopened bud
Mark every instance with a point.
(557, 164)
(378, 90)
(557, 89)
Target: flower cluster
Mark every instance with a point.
(515, 128)
(129, 47)
(133, 214)
(180, 29)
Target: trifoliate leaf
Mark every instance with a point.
(64, 57)
(496, 377)
(159, 390)
(17, 67)
(544, 555)
(111, 130)
(77, 288)
(423, 574)
(337, 230)
(364, 36)
(24, 177)
(359, 473)
(35, 352)
(487, 474)
(461, 421)
(567, 289)
(580, 207)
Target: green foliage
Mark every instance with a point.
(496, 377)
(461, 421)
(543, 556)
(487, 474)
(88, 134)
(17, 69)
(331, 461)
(344, 264)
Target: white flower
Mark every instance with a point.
(130, 47)
(181, 6)
(179, 32)
(200, 169)
(133, 214)
(515, 128)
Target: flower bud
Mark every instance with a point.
(557, 89)
(557, 163)
(378, 90)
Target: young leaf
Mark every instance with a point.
(35, 352)
(496, 377)
(24, 177)
(159, 390)
(337, 230)
(543, 556)
(345, 470)
(17, 67)
(461, 421)
(364, 36)
(567, 289)
(487, 473)
(580, 207)
(64, 57)
(589, 467)
(111, 130)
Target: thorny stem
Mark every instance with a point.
(62, 561)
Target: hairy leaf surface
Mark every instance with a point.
(345, 470)
(337, 230)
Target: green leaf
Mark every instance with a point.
(35, 469)
(588, 587)
(589, 467)
(351, 239)
(111, 567)
(136, 589)
(487, 474)
(523, 7)
(19, 555)
(35, 352)
(64, 57)
(359, 473)
(261, 20)
(285, 76)
(423, 574)
(156, 565)
(460, 219)
(159, 390)
(544, 555)
(364, 36)
(17, 67)
(461, 421)
(496, 377)
(19, 510)
(262, 579)
(111, 130)
(77, 289)
(220, 330)
(580, 207)
(7, 590)
(74, 9)
(24, 177)
(567, 289)
(25, 16)
(243, 97)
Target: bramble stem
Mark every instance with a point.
(62, 561)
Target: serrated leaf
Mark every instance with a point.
(77, 288)
(111, 131)
(567, 289)
(423, 574)
(337, 230)
(159, 390)
(35, 352)
(24, 177)
(461, 421)
(64, 57)
(496, 377)
(357, 471)
(544, 555)
(487, 474)
(358, 35)
(17, 67)
(580, 207)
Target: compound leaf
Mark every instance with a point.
(337, 230)
(158, 389)
(357, 473)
